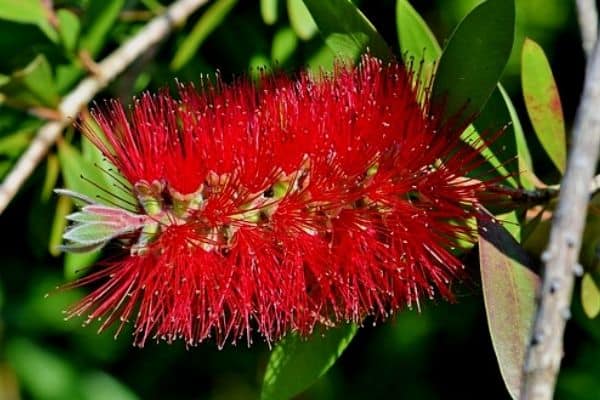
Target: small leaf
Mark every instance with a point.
(93, 233)
(52, 173)
(543, 103)
(268, 11)
(417, 43)
(207, 23)
(474, 58)
(68, 29)
(301, 20)
(101, 386)
(92, 182)
(346, 30)
(509, 290)
(296, 363)
(526, 176)
(590, 296)
(32, 85)
(98, 20)
(28, 12)
(284, 44)
(59, 223)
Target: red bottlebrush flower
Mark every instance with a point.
(277, 206)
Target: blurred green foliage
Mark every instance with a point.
(442, 352)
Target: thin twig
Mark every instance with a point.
(545, 351)
(587, 14)
(73, 102)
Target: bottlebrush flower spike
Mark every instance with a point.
(278, 206)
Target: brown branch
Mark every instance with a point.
(587, 14)
(73, 102)
(545, 351)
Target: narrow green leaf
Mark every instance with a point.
(207, 23)
(12, 145)
(509, 290)
(268, 11)
(346, 30)
(28, 12)
(53, 377)
(59, 223)
(52, 173)
(98, 20)
(32, 85)
(526, 176)
(417, 42)
(543, 103)
(295, 363)
(284, 44)
(301, 20)
(101, 386)
(68, 29)
(474, 58)
(590, 296)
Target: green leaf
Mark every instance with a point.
(32, 85)
(13, 145)
(474, 58)
(53, 377)
(297, 363)
(77, 263)
(28, 12)
(59, 223)
(417, 42)
(268, 11)
(207, 23)
(346, 30)
(301, 20)
(526, 176)
(52, 173)
(79, 172)
(101, 386)
(509, 290)
(68, 29)
(590, 296)
(284, 44)
(98, 21)
(543, 103)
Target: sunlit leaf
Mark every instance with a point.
(346, 30)
(268, 11)
(543, 103)
(301, 20)
(526, 176)
(590, 296)
(52, 173)
(32, 85)
(28, 12)
(68, 29)
(285, 43)
(53, 377)
(208, 22)
(101, 386)
(98, 20)
(474, 58)
(509, 290)
(296, 363)
(417, 43)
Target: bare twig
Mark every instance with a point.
(560, 258)
(587, 14)
(72, 103)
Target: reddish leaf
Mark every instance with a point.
(509, 289)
